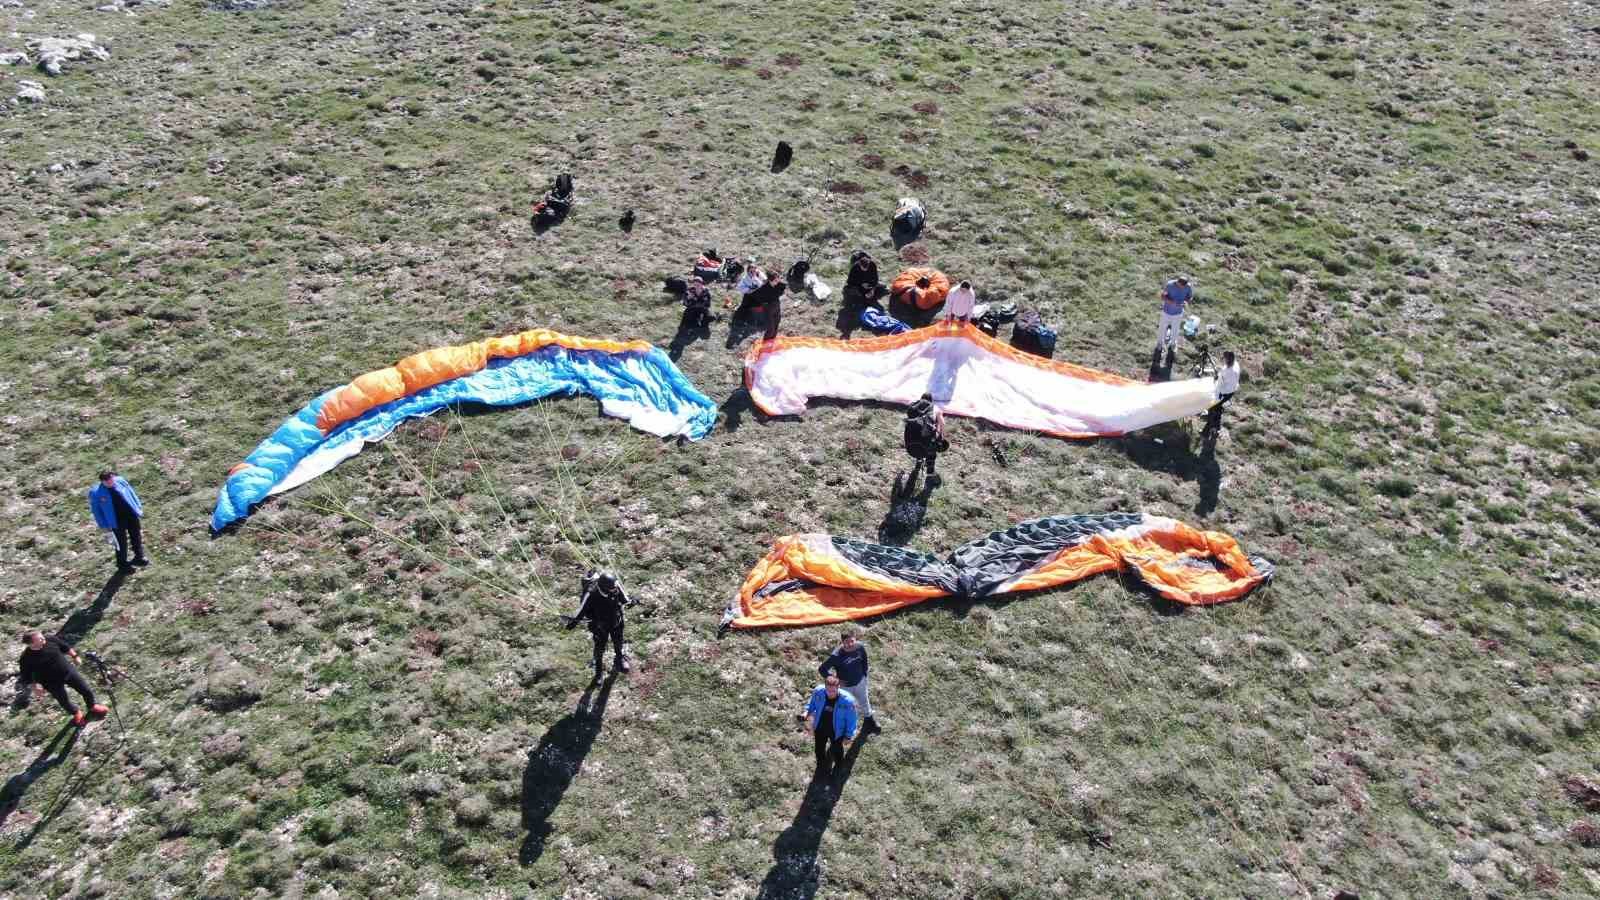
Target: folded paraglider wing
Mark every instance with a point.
(930, 297)
(632, 379)
(817, 579)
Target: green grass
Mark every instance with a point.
(1380, 207)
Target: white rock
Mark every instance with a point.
(54, 52)
(14, 58)
(31, 91)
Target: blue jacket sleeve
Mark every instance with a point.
(814, 707)
(132, 498)
(95, 510)
(844, 717)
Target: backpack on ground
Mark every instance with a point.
(995, 316)
(1031, 335)
(675, 285)
(909, 219)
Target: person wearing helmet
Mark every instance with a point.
(602, 601)
(1175, 295)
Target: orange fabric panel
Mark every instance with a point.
(842, 591)
(1177, 561)
(933, 296)
(436, 366)
(430, 367)
(370, 390)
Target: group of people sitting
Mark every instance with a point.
(760, 291)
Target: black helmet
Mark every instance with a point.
(606, 580)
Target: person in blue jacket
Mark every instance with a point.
(849, 662)
(831, 719)
(117, 510)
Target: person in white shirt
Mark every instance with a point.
(1227, 386)
(753, 278)
(958, 306)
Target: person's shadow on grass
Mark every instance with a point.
(1165, 448)
(81, 622)
(907, 508)
(17, 785)
(555, 762)
(688, 334)
(794, 874)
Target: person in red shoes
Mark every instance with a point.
(47, 664)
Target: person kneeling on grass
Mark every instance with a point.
(47, 664)
(831, 719)
(849, 663)
(959, 305)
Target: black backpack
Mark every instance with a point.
(563, 189)
(921, 433)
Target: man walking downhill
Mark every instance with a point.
(1175, 295)
(117, 511)
(849, 663)
(831, 719)
(47, 663)
(603, 600)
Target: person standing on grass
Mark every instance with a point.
(924, 435)
(1175, 295)
(849, 663)
(117, 510)
(602, 603)
(958, 306)
(831, 719)
(47, 665)
(776, 286)
(1227, 386)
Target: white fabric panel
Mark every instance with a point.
(969, 379)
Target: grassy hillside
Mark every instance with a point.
(1389, 208)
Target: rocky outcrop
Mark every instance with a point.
(54, 53)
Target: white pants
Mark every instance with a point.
(1173, 321)
(858, 693)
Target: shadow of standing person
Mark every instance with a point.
(17, 785)
(907, 508)
(794, 874)
(555, 762)
(81, 622)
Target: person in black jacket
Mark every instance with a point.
(602, 603)
(924, 435)
(862, 284)
(849, 662)
(48, 665)
(769, 298)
